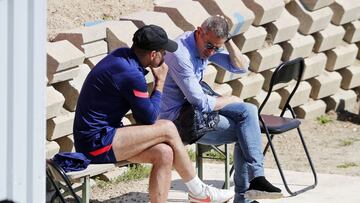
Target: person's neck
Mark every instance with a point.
(143, 61)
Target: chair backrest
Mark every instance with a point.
(284, 73)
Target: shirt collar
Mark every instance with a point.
(192, 43)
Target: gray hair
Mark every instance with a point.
(218, 25)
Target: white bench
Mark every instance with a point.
(64, 182)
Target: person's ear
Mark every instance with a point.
(153, 55)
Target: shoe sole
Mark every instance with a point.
(256, 194)
(197, 201)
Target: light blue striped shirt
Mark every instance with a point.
(185, 71)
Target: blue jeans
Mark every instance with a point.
(239, 123)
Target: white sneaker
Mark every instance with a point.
(211, 194)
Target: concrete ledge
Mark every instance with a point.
(299, 46)
(342, 100)
(62, 55)
(54, 102)
(64, 75)
(71, 89)
(223, 75)
(250, 40)
(95, 48)
(345, 11)
(313, 5)
(265, 10)
(66, 143)
(248, 86)
(210, 75)
(83, 35)
(314, 65)
(324, 85)
(310, 21)
(282, 29)
(264, 59)
(329, 38)
(350, 76)
(142, 18)
(223, 89)
(52, 148)
(187, 15)
(272, 105)
(352, 31)
(301, 96)
(60, 126)
(91, 62)
(340, 57)
(115, 35)
(239, 16)
(311, 110)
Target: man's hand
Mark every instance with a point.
(225, 100)
(159, 76)
(237, 58)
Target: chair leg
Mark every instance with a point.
(227, 173)
(86, 190)
(267, 145)
(199, 162)
(282, 173)
(57, 191)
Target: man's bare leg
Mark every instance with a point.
(133, 140)
(161, 158)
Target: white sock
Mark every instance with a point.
(195, 185)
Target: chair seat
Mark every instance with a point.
(277, 125)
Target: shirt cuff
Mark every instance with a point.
(211, 102)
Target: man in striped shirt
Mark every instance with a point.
(115, 86)
(238, 120)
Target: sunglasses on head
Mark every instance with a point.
(212, 47)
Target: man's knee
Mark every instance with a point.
(168, 128)
(163, 154)
(250, 108)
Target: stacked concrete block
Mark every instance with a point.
(126, 121)
(352, 31)
(95, 48)
(54, 102)
(250, 40)
(342, 56)
(64, 75)
(299, 46)
(91, 62)
(313, 5)
(117, 34)
(210, 75)
(239, 16)
(66, 143)
(71, 89)
(350, 76)
(248, 86)
(182, 13)
(310, 21)
(325, 84)
(282, 29)
(83, 35)
(266, 58)
(345, 11)
(52, 148)
(142, 18)
(223, 75)
(223, 89)
(272, 105)
(342, 100)
(311, 110)
(265, 10)
(314, 65)
(60, 126)
(329, 38)
(267, 75)
(301, 96)
(61, 57)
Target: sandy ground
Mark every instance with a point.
(334, 146)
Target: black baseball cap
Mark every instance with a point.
(153, 37)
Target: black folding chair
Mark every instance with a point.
(272, 125)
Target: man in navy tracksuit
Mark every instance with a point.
(115, 86)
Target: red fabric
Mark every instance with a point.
(101, 150)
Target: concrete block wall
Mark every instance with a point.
(325, 32)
